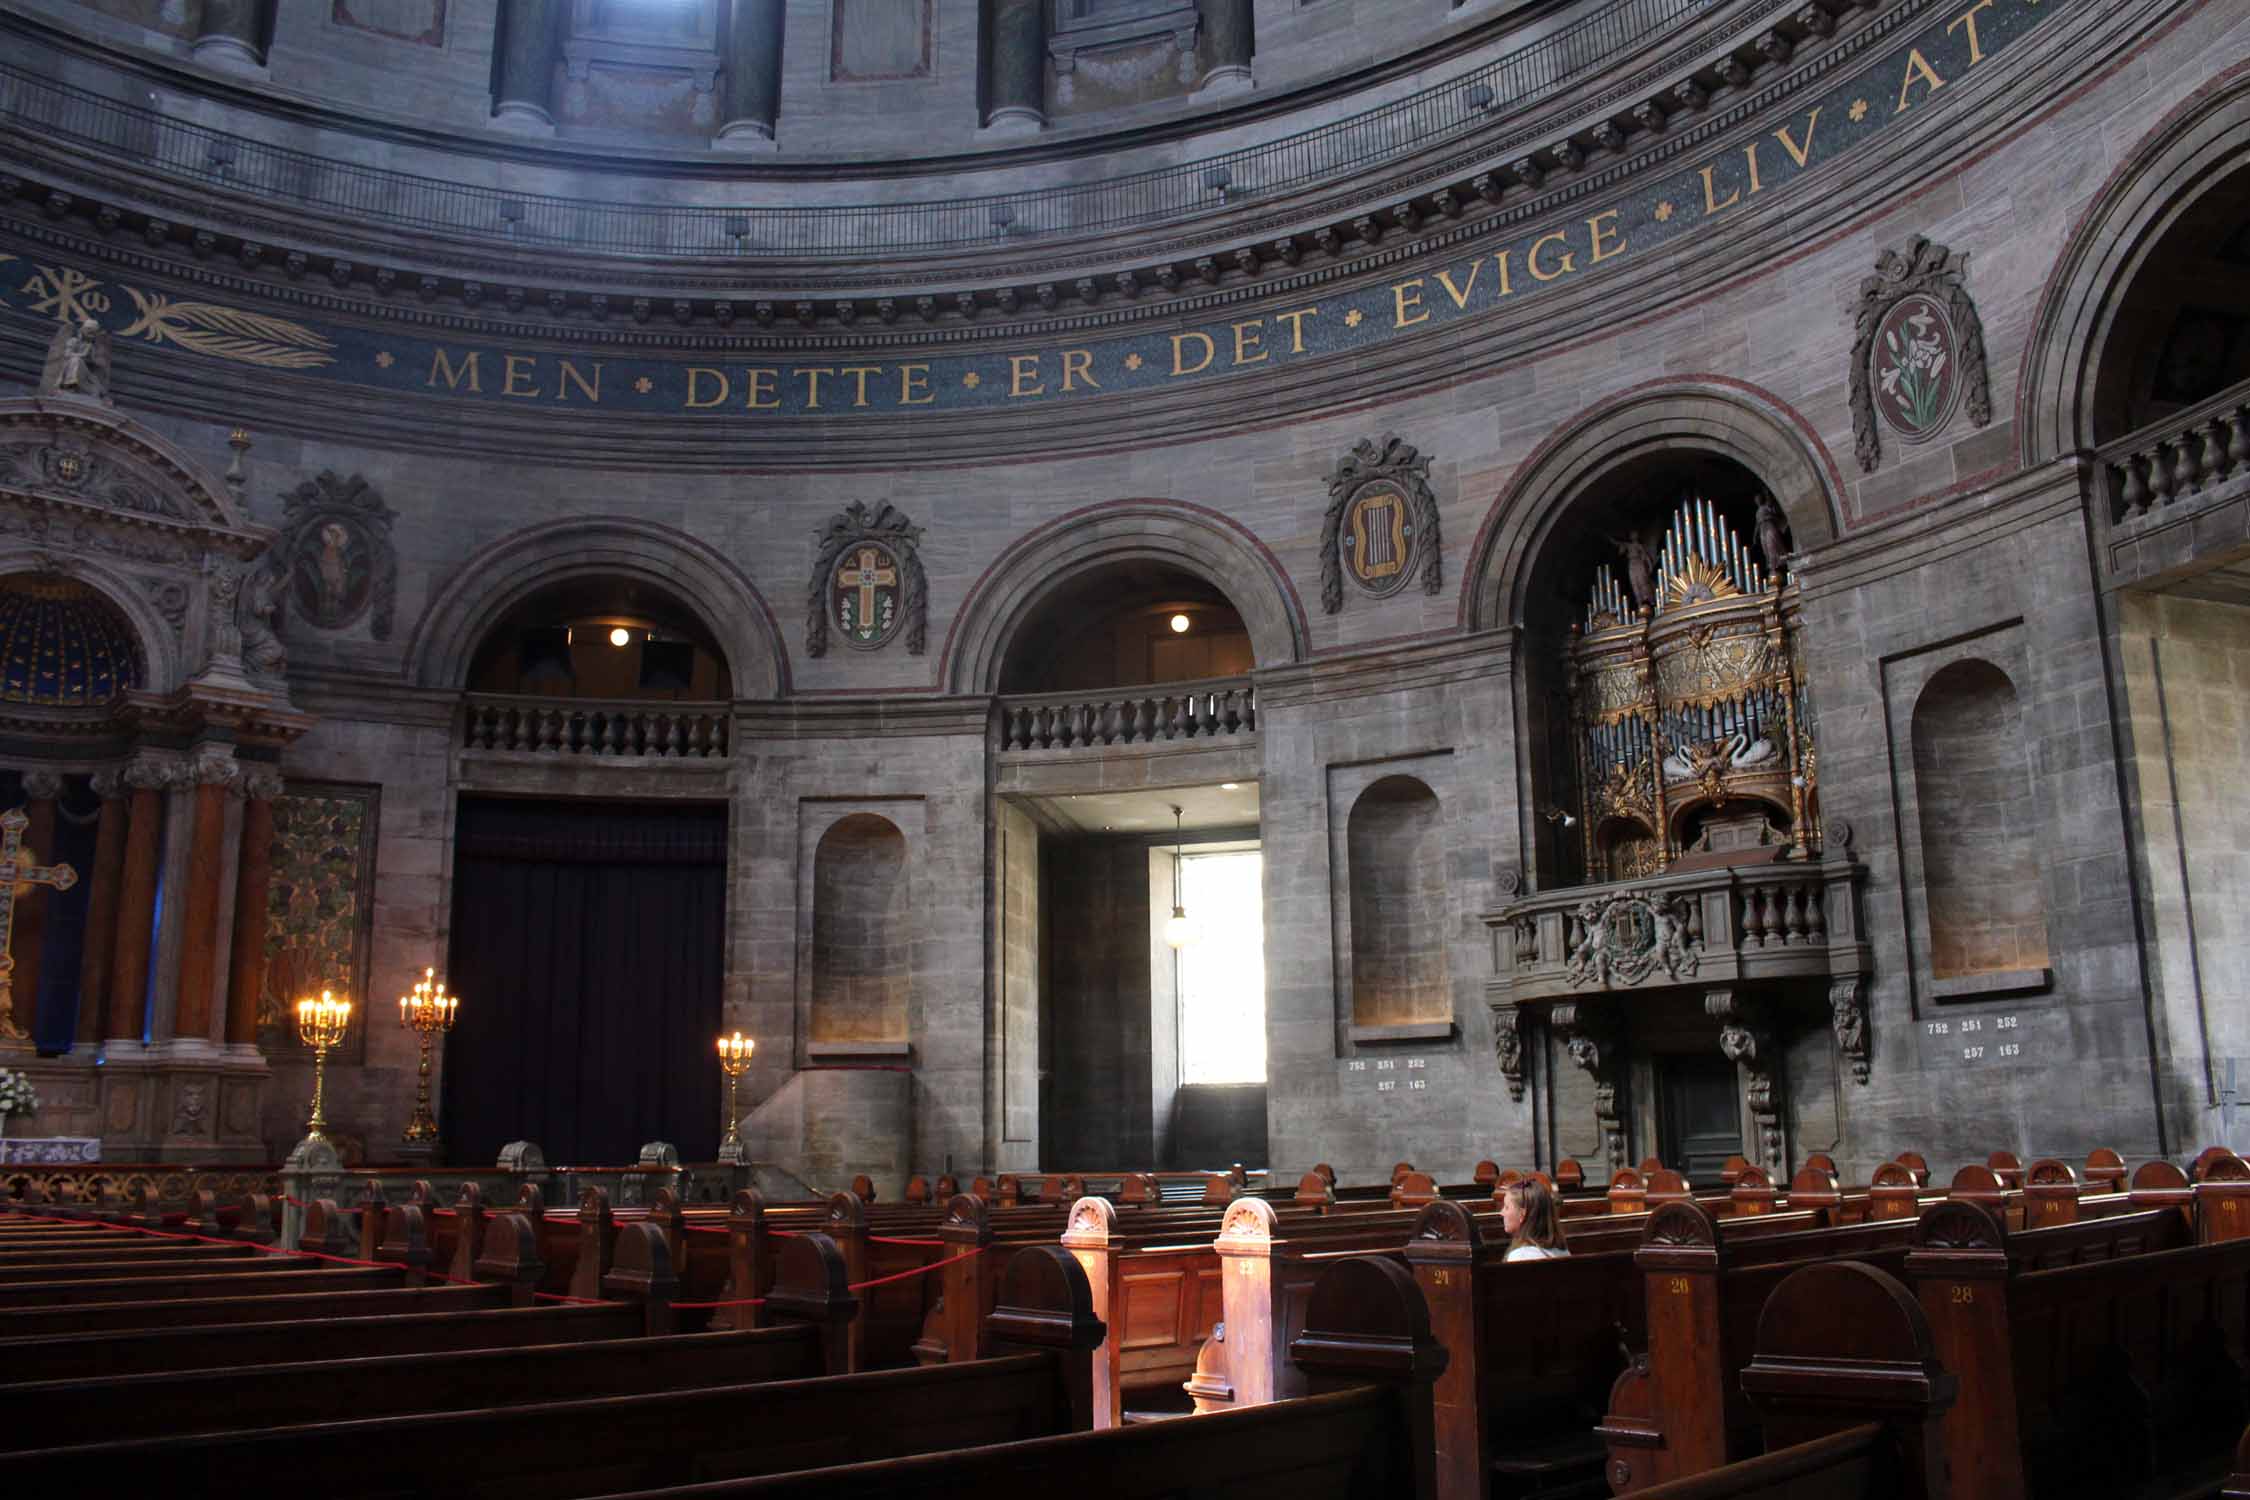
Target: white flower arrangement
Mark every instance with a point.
(17, 1096)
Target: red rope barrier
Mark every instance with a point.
(876, 1239)
(742, 1302)
(861, 1286)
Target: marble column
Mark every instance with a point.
(28, 939)
(1228, 40)
(1016, 93)
(752, 99)
(211, 775)
(530, 32)
(257, 787)
(232, 34)
(100, 943)
(136, 903)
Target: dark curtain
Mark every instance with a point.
(589, 939)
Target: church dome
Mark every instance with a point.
(62, 645)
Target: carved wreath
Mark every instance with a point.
(1625, 938)
(1929, 268)
(890, 527)
(1403, 465)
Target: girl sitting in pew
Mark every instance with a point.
(1527, 1212)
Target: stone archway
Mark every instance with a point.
(1180, 535)
(485, 587)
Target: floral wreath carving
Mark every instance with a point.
(1931, 269)
(1403, 465)
(889, 527)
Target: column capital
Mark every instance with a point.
(146, 774)
(109, 783)
(259, 782)
(212, 766)
(42, 784)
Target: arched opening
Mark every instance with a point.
(1127, 624)
(1979, 825)
(1395, 843)
(606, 637)
(1665, 711)
(2179, 332)
(64, 645)
(862, 935)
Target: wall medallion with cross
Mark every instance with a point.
(868, 587)
(14, 857)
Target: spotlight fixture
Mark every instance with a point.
(1180, 624)
(620, 636)
(1558, 815)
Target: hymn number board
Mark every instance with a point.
(1389, 1075)
(1974, 1041)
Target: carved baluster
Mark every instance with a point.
(1081, 724)
(2211, 461)
(1039, 728)
(1234, 710)
(1249, 709)
(2185, 479)
(1113, 721)
(1015, 728)
(2238, 445)
(710, 732)
(679, 737)
(1694, 924)
(2132, 488)
(2159, 478)
(1796, 913)
(624, 732)
(1816, 915)
(1168, 717)
(551, 730)
(1751, 931)
(1144, 719)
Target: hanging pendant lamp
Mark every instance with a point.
(1179, 931)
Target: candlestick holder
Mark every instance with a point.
(428, 1011)
(734, 1058)
(321, 1025)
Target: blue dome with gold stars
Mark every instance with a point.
(64, 645)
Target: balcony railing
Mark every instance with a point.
(593, 727)
(38, 105)
(1213, 709)
(1696, 929)
(2171, 462)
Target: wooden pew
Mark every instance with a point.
(59, 1412)
(1368, 1351)
(604, 1445)
(2146, 1349)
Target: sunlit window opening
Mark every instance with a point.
(1222, 974)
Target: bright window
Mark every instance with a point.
(1222, 974)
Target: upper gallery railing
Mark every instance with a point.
(1215, 708)
(39, 105)
(2168, 462)
(593, 727)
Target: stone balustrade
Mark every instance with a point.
(1789, 920)
(1215, 708)
(2167, 463)
(593, 727)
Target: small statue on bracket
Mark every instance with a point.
(1773, 534)
(1640, 568)
(77, 362)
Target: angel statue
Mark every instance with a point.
(77, 362)
(1640, 568)
(1773, 534)
(262, 650)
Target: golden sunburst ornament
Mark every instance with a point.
(1697, 582)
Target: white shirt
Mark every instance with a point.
(1536, 1252)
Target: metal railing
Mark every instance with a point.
(34, 103)
(1215, 708)
(589, 727)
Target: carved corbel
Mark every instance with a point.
(1847, 1015)
(1507, 1048)
(1593, 1045)
(1746, 1037)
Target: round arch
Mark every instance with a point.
(162, 651)
(1709, 413)
(484, 588)
(2200, 144)
(1189, 537)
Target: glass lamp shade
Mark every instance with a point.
(1179, 928)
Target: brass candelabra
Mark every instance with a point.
(321, 1025)
(427, 1010)
(734, 1058)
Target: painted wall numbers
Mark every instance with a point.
(1970, 1035)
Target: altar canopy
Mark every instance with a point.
(588, 944)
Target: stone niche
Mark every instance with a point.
(1114, 54)
(640, 66)
(862, 947)
(1979, 827)
(1395, 850)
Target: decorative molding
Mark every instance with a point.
(1955, 342)
(1847, 1010)
(1382, 523)
(1590, 1036)
(1746, 1038)
(1507, 1048)
(337, 555)
(1628, 936)
(905, 591)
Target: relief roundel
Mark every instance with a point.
(333, 578)
(1916, 368)
(864, 590)
(1378, 539)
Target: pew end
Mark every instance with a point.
(1046, 1303)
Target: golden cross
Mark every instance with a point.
(14, 856)
(865, 578)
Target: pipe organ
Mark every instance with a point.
(1689, 711)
